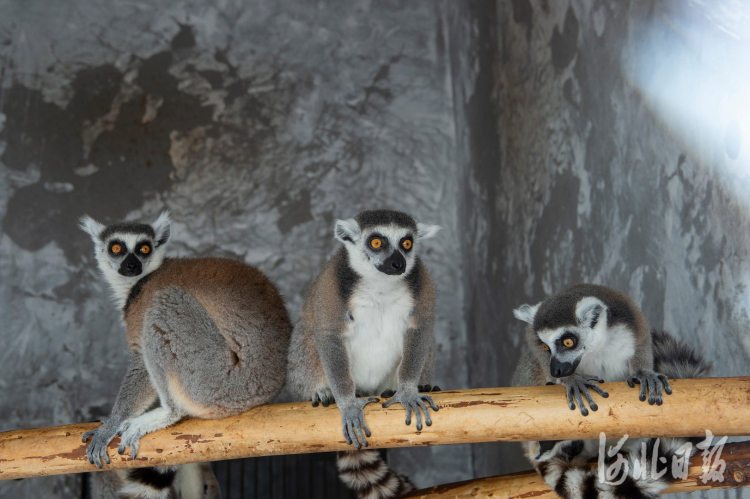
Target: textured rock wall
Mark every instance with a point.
(618, 163)
(257, 124)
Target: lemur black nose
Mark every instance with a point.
(131, 266)
(398, 265)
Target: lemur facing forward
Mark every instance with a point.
(208, 337)
(590, 334)
(366, 328)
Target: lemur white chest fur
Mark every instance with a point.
(609, 357)
(380, 313)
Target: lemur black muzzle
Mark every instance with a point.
(131, 266)
(559, 369)
(394, 264)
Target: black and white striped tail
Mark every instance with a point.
(573, 478)
(365, 472)
(149, 483)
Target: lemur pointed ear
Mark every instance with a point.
(347, 230)
(92, 227)
(526, 313)
(588, 311)
(426, 231)
(162, 228)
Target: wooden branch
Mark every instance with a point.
(466, 416)
(530, 484)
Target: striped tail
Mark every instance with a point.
(149, 483)
(365, 472)
(575, 479)
(571, 476)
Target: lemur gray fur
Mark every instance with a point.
(208, 337)
(366, 328)
(590, 334)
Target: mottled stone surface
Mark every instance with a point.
(618, 164)
(257, 124)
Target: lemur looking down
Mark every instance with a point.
(590, 334)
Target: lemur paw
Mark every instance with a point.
(428, 388)
(577, 384)
(323, 396)
(130, 436)
(97, 448)
(353, 421)
(652, 382)
(412, 400)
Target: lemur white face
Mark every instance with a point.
(126, 252)
(387, 249)
(567, 345)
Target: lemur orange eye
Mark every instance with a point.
(116, 248)
(544, 345)
(145, 249)
(406, 244)
(376, 243)
(568, 342)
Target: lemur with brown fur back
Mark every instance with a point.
(208, 338)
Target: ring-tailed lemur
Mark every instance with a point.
(208, 337)
(366, 328)
(590, 334)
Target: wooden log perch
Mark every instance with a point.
(465, 416)
(530, 484)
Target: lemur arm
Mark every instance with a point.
(417, 343)
(135, 396)
(335, 361)
(641, 369)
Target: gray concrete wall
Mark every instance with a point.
(257, 124)
(617, 164)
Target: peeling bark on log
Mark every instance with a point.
(465, 416)
(529, 484)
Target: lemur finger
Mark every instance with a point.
(590, 400)
(659, 399)
(429, 400)
(408, 414)
(571, 404)
(435, 388)
(424, 388)
(598, 390)
(360, 436)
(133, 450)
(372, 400)
(584, 411)
(644, 387)
(418, 415)
(345, 431)
(387, 393)
(651, 390)
(315, 402)
(388, 402)
(426, 411)
(631, 382)
(364, 427)
(665, 380)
